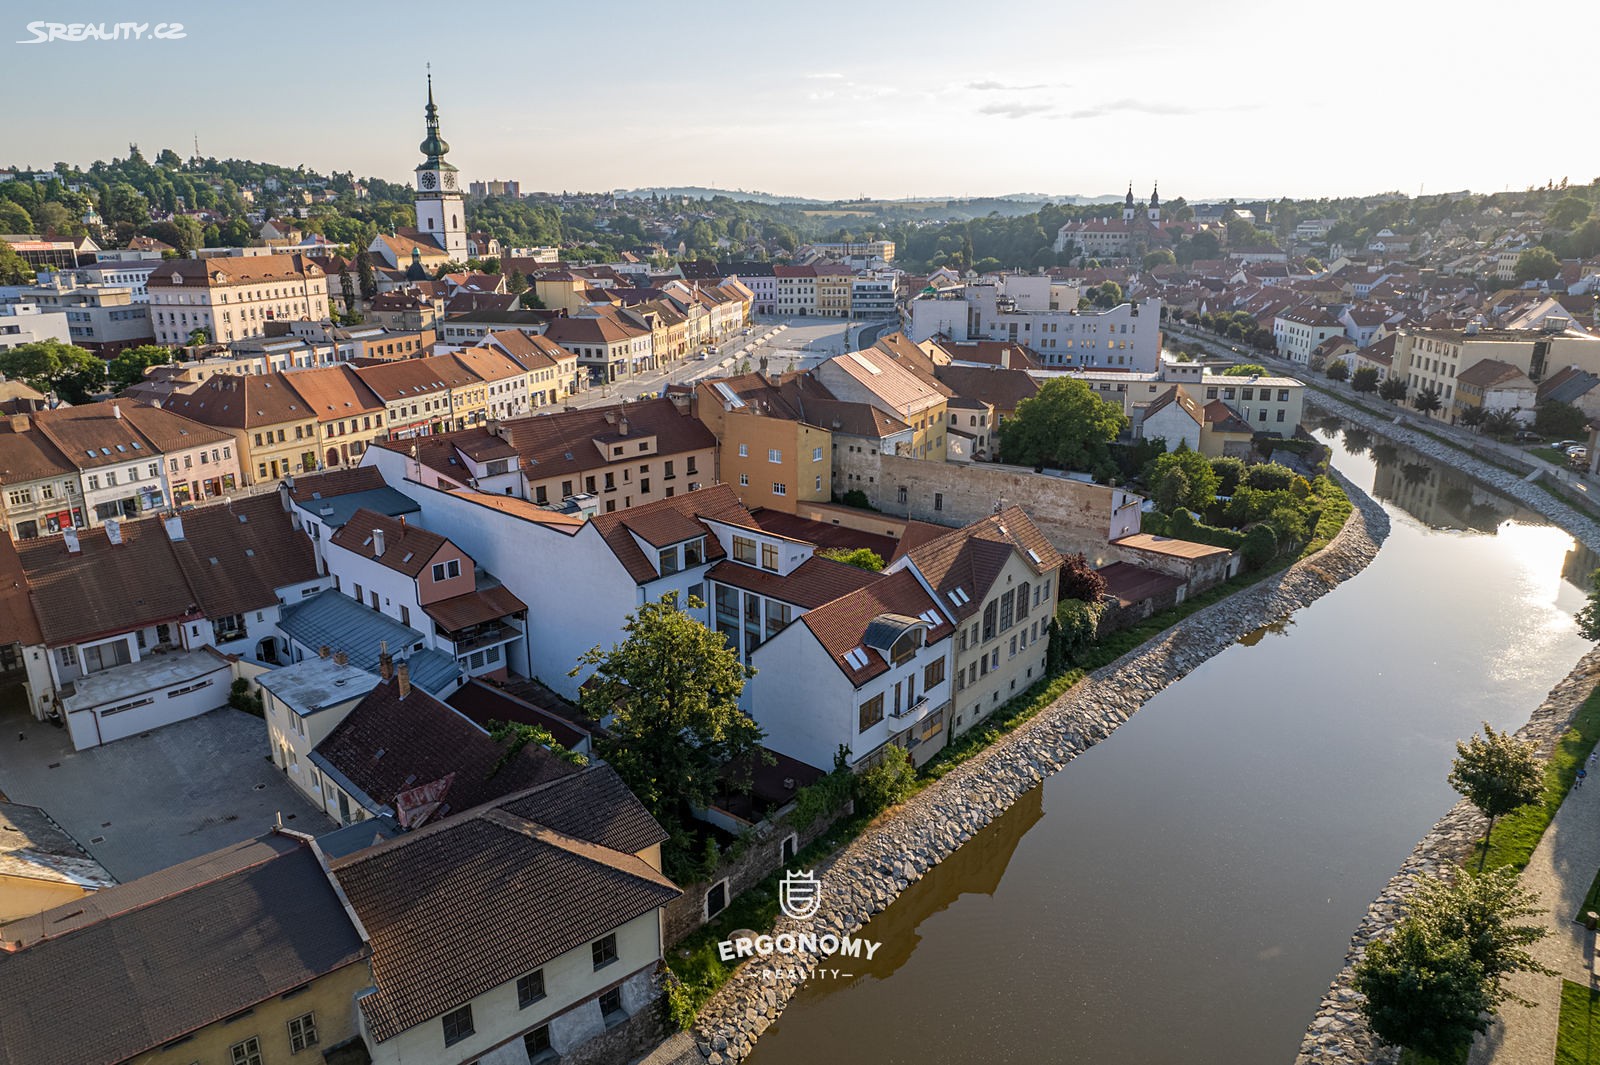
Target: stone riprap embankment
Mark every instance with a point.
(872, 871)
(1512, 485)
(1338, 1034)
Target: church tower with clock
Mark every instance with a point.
(440, 213)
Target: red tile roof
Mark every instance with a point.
(841, 626)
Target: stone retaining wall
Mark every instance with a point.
(1512, 485)
(1338, 1033)
(872, 871)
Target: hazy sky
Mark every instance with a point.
(830, 99)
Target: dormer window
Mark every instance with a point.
(668, 561)
(694, 553)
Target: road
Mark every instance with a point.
(787, 344)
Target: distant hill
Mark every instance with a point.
(702, 192)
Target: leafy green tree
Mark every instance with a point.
(1170, 489)
(14, 269)
(1064, 425)
(199, 337)
(1536, 264)
(1200, 479)
(1589, 617)
(1426, 400)
(1568, 212)
(862, 557)
(1497, 773)
(670, 694)
(1260, 546)
(1482, 911)
(1270, 477)
(1472, 417)
(889, 782)
(1364, 379)
(1392, 389)
(1159, 257)
(1554, 418)
(1246, 369)
(367, 276)
(14, 219)
(131, 363)
(516, 283)
(1423, 991)
(347, 289)
(1502, 422)
(1338, 371)
(1230, 472)
(47, 364)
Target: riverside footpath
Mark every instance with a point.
(900, 848)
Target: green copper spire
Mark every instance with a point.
(433, 146)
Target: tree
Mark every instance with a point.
(1159, 257)
(14, 269)
(1423, 991)
(1426, 400)
(1554, 418)
(1246, 369)
(516, 283)
(1364, 379)
(889, 782)
(367, 276)
(1260, 546)
(14, 218)
(1079, 580)
(1588, 618)
(1200, 480)
(1170, 489)
(1270, 477)
(1338, 371)
(862, 557)
(1568, 212)
(51, 366)
(1392, 389)
(131, 363)
(1497, 773)
(671, 690)
(199, 337)
(1472, 417)
(1064, 425)
(1230, 472)
(1537, 264)
(1501, 422)
(1481, 911)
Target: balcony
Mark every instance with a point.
(912, 711)
(482, 636)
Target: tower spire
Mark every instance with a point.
(433, 146)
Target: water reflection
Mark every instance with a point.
(1280, 627)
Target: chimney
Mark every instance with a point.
(174, 524)
(20, 423)
(285, 499)
(116, 410)
(385, 661)
(402, 679)
(324, 651)
(113, 531)
(622, 425)
(1005, 358)
(377, 543)
(69, 537)
(340, 658)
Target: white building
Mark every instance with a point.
(1298, 332)
(234, 298)
(26, 323)
(1127, 336)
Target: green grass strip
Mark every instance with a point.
(1517, 834)
(1578, 1031)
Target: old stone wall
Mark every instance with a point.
(871, 872)
(760, 857)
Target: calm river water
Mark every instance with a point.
(1184, 891)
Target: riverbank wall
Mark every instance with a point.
(1338, 1033)
(870, 872)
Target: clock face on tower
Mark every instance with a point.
(428, 179)
(449, 179)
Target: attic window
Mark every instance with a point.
(105, 451)
(249, 552)
(122, 448)
(212, 560)
(959, 596)
(929, 616)
(367, 542)
(182, 432)
(856, 657)
(408, 558)
(1037, 561)
(243, 518)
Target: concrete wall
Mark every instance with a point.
(1077, 517)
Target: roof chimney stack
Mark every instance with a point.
(113, 531)
(69, 536)
(324, 651)
(402, 679)
(340, 658)
(174, 524)
(20, 423)
(116, 411)
(385, 661)
(377, 543)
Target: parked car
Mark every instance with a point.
(1575, 447)
(1578, 456)
(1566, 445)
(1526, 435)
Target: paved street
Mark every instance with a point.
(797, 343)
(155, 799)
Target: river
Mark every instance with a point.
(1185, 890)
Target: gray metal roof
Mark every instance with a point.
(336, 510)
(334, 620)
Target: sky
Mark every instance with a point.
(830, 99)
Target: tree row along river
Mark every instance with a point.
(1185, 890)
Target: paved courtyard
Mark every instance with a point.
(156, 799)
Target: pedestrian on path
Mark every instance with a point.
(1581, 774)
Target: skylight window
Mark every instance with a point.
(959, 596)
(1037, 561)
(856, 657)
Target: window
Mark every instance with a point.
(990, 611)
(716, 899)
(537, 1043)
(302, 1033)
(816, 454)
(457, 1025)
(611, 1007)
(1022, 600)
(94, 482)
(1007, 614)
(246, 1053)
(938, 501)
(604, 951)
(530, 989)
(774, 454)
(694, 553)
(871, 712)
(19, 497)
(446, 570)
(900, 495)
(744, 480)
(769, 556)
(668, 561)
(933, 674)
(779, 488)
(744, 550)
(744, 451)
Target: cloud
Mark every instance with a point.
(830, 75)
(1014, 109)
(1000, 86)
(1144, 107)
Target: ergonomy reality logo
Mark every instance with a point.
(800, 894)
